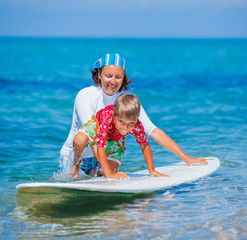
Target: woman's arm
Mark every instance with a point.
(164, 140)
(147, 153)
(84, 106)
(146, 122)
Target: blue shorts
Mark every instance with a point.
(88, 164)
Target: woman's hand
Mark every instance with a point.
(190, 161)
(157, 174)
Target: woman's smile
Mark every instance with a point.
(111, 78)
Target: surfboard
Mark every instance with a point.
(138, 182)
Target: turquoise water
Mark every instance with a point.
(195, 90)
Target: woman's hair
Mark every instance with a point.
(127, 105)
(97, 81)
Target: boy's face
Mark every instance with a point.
(124, 125)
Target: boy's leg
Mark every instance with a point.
(79, 144)
(99, 172)
(85, 136)
(113, 165)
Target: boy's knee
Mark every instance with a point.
(80, 139)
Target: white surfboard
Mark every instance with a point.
(138, 182)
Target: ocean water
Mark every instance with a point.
(193, 89)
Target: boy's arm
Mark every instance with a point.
(106, 167)
(147, 153)
(94, 149)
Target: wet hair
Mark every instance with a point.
(128, 106)
(97, 81)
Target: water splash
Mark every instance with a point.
(64, 168)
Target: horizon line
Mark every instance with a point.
(120, 37)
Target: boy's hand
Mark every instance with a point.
(157, 174)
(117, 175)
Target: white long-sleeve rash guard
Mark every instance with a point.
(88, 102)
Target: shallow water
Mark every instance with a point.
(195, 90)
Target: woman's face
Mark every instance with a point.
(111, 78)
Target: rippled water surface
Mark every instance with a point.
(195, 90)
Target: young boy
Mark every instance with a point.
(108, 129)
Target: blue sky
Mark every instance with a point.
(126, 18)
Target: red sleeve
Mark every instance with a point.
(105, 123)
(139, 133)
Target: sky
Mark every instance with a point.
(126, 18)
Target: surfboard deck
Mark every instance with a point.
(138, 182)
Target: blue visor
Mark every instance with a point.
(111, 59)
